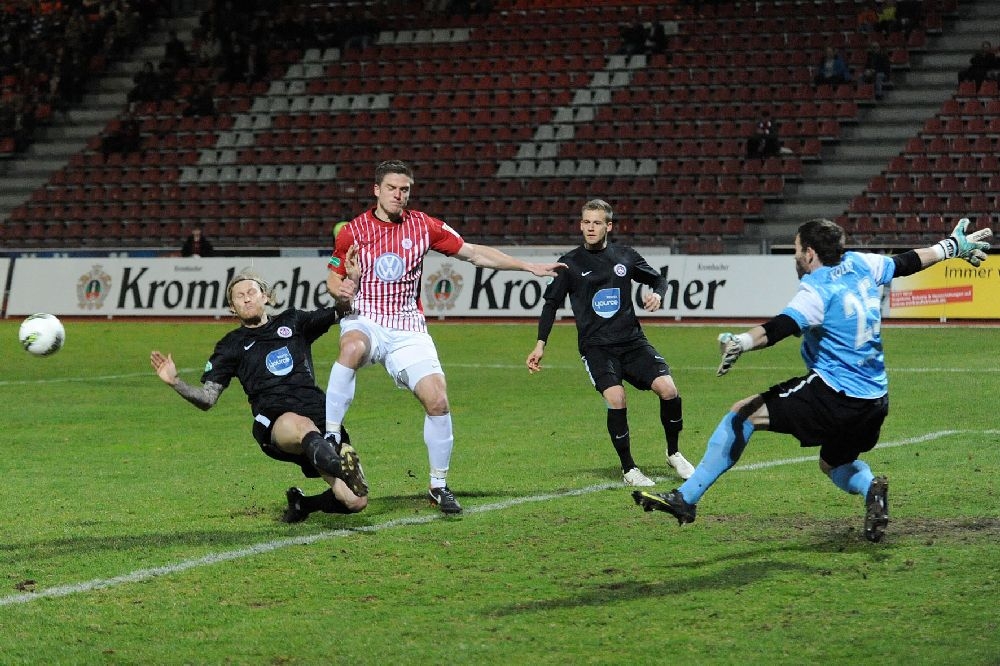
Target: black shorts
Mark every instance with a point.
(815, 414)
(637, 363)
(264, 420)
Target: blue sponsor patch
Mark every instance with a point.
(607, 302)
(279, 362)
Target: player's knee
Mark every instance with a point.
(353, 349)
(665, 388)
(746, 408)
(353, 503)
(431, 390)
(436, 405)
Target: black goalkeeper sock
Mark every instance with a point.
(618, 429)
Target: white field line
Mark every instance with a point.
(140, 575)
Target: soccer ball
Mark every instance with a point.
(42, 334)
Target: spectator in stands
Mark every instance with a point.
(910, 15)
(984, 64)
(7, 123)
(460, 8)
(832, 69)
(206, 48)
(878, 67)
(764, 142)
(482, 7)
(887, 18)
(124, 139)
(24, 122)
(633, 39)
(327, 31)
(656, 41)
(72, 76)
(51, 48)
(256, 64)
(197, 245)
(146, 86)
(867, 19)
(175, 52)
(201, 102)
(123, 37)
(245, 63)
(360, 31)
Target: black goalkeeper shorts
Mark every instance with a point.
(815, 414)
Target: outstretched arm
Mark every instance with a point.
(971, 247)
(203, 398)
(733, 346)
(485, 256)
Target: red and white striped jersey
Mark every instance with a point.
(391, 260)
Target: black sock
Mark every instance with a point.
(618, 429)
(327, 502)
(310, 503)
(673, 423)
(322, 453)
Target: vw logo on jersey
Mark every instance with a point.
(389, 267)
(620, 270)
(284, 332)
(607, 302)
(279, 362)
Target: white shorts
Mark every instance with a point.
(408, 356)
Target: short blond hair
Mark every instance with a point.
(599, 204)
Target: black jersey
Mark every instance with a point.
(273, 362)
(599, 286)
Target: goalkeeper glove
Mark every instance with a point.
(972, 248)
(731, 347)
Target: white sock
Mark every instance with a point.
(339, 396)
(440, 440)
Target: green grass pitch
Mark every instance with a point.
(136, 529)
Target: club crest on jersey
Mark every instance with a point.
(406, 243)
(607, 302)
(389, 267)
(279, 362)
(620, 270)
(284, 332)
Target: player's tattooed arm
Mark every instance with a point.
(203, 397)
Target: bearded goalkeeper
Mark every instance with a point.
(840, 403)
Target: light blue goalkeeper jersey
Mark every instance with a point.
(838, 311)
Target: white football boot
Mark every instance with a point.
(634, 477)
(683, 468)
